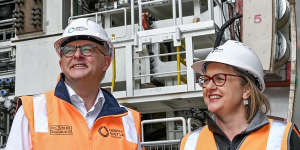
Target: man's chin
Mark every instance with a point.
(78, 77)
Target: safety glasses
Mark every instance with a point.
(85, 50)
(218, 79)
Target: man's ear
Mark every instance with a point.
(246, 91)
(60, 63)
(107, 62)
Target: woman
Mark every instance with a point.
(232, 81)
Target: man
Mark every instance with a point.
(78, 114)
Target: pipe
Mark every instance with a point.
(178, 66)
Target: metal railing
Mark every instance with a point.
(140, 4)
(163, 144)
(174, 12)
(7, 60)
(3, 139)
(180, 61)
(98, 15)
(161, 73)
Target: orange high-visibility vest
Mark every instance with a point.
(56, 124)
(273, 136)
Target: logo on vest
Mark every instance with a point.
(103, 131)
(114, 133)
(61, 130)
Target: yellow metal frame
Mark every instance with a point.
(179, 61)
(113, 82)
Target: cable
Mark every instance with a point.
(222, 5)
(237, 32)
(223, 27)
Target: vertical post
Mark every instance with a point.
(197, 8)
(210, 10)
(113, 82)
(107, 20)
(96, 18)
(174, 11)
(180, 12)
(140, 15)
(189, 61)
(125, 17)
(72, 8)
(132, 17)
(129, 70)
(178, 66)
(170, 126)
(293, 31)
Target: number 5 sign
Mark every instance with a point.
(259, 28)
(257, 19)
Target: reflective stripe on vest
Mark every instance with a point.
(40, 113)
(276, 135)
(192, 139)
(129, 128)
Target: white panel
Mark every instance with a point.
(36, 66)
(53, 16)
(258, 29)
(278, 98)
(120, 67)
(40, 113)
(36, 62)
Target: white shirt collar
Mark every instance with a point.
(91, 115)
(75, 98)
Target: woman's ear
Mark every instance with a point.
(246, 91)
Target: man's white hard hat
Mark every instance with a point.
(238, 55)
(84, 27)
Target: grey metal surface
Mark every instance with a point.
(296, 115)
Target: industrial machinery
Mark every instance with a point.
(156, 42)
(7, 68)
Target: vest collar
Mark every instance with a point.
(110, 106)
(258, 121)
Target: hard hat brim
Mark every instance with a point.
(58, 43)
(199, 68)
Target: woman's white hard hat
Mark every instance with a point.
(238, 55)
(84, 27)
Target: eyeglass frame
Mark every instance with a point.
(93, 46)
(213, 80)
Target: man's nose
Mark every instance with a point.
(77, 53)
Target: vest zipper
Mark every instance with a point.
(90, 140)
(241, 143)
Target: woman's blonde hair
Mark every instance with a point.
(257, 100)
